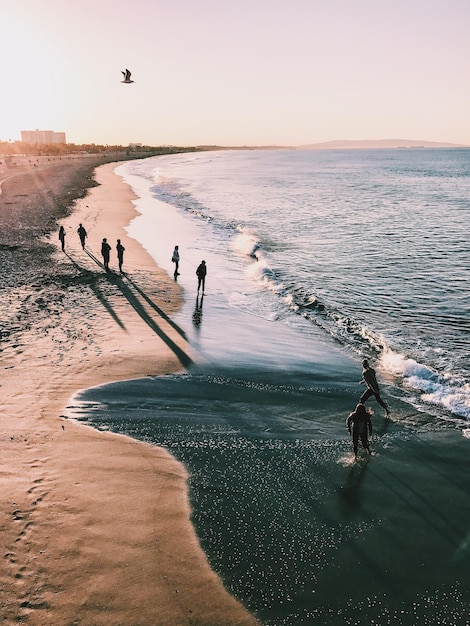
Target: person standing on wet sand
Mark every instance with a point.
(105, 250)
(82, 234)
(201, 276)
(62, 237)
(176, 260)
(369, 379)
(120, 253)
(360, 424)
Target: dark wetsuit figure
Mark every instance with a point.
(360, 423)
(368, 377)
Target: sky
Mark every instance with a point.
(236, 72)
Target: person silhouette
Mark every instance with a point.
(105, 250)
(62, 237)
(369, 379)
(201, 273)
(120, 253)
(82, 234)
(176, 260)
(360, 423)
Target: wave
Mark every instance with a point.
(423, 386)
(445, 390)
(439, 389)
(246, 243)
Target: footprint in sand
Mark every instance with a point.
(11, 557)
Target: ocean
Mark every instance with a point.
(316, 260)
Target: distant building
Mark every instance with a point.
(42, 136)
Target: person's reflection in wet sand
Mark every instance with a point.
(197, 314)
(350, 502)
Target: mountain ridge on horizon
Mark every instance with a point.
(380, 143)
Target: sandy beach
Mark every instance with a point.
(95, 527)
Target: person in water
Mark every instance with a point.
(369, 379)
(360, 426)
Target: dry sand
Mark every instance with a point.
(95, 527)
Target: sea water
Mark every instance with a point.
(316, 259)
(372, 247)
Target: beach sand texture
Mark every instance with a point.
(95, 527)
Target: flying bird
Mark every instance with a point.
(127, 77)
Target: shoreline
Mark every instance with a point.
(97, 526)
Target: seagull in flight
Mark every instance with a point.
(127, 77)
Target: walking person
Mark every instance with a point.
(359, 425)
(105, 250)
(82, 234)
(120, 254)
(201, 273)
(176, 260)
(369, 379)
(62, 237)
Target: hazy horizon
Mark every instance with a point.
(236, 73)
(331, 144)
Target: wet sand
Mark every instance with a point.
(95, 527)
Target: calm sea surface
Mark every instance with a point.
(316, 259)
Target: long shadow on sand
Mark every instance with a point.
(156, 308)
(99, 296)
(138, 307)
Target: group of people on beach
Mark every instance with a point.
(359, 422)
(201, 270)
(105, 247)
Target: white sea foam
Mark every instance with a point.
(246, 243)
(445, 390)
(262, 273)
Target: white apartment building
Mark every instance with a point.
(42, 136)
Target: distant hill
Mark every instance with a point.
(379, 143)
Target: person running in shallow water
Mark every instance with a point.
(62, 237)
(201, 276)
(369, 379)
(105, 250)
(360, 425)
(82, 234)
(120, 254)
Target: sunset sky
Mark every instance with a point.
(236, 72)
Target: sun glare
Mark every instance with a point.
(29, 78)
